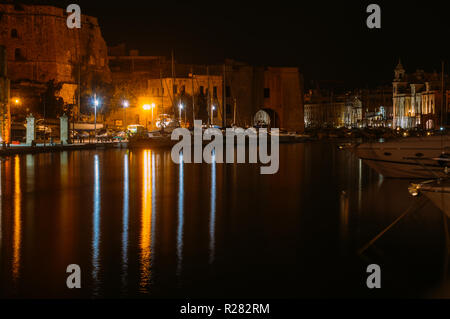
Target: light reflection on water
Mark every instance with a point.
(96, 227)
(17, 219)
(180, 215)
(136, 228)
(212, 218)
(125, 221)
(146, 221)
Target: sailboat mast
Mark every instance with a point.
(224, 93)
(442, 92)
(193, 96)
(234, 112)
(173, 86)
(162, 90)
(208, 97)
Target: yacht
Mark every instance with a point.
(410, 157)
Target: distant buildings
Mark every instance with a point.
(357, 108)
(230, 93)
(418, 99)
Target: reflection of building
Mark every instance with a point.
(417, 99)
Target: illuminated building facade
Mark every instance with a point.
(417, 99)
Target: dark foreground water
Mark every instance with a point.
(139, 225)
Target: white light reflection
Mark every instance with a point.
(212, 219)
(125, 221)
(153, 205)
(180, 215)
(96, 225)
(359, 184)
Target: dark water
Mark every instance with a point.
(139, 225)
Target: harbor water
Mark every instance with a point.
(141, 226)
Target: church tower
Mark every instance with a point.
(399, 72)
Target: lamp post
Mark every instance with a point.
(180, 107)
(146, 107)
(125, 105)
(95, 116)
(153, 107)
(212, 114)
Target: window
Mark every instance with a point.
(17, 54)
(175, 89)
(215, 92)
(14, 33)
(201, 90)
(266, 93)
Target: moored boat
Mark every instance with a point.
(411, 157)
(437, 191)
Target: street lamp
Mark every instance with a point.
(153, 106)
(212, 114)
(96, 103)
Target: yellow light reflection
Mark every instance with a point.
(17, 219)
(146, 220)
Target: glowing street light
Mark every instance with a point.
(213, 108)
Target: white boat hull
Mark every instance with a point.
(413, 157)
(438, 193)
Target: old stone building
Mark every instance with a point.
(325, 108)
(231, 92)
(417, 99)
(41, 48)
(356, 108)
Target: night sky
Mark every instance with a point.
(327, 40)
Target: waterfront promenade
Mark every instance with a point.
(41, 148)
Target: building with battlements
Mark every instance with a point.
(41, 48)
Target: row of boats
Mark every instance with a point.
(163, 138)
(425, 160)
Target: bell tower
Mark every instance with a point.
(399, 72)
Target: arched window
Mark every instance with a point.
(14, 33)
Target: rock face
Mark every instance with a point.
(40, 47)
